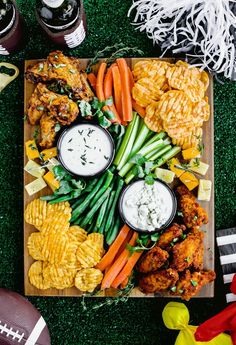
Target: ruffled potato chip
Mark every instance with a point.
(88, 279)
(89, 254)
(150, 69)
(63, 207)
(77, 234)
(36, 212)
(36, 277)
(146, 91)
(191, 138)
(98, 239)
(201, 109)
(56, 221)
(35, 246)
(152, 118)
(59, 277)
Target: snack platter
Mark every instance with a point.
(209, 229)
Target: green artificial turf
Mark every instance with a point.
(136, 321)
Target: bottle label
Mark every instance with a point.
(62, 27)
(53, 3)
(76, 37)
(3, 51)
(11, 22)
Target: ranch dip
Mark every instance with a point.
(147, 207)
(85, 149)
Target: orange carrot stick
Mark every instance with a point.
(100, 81)
(92, 80)
(124, 283)
(118, 265)
(131, 79)
(117, 88)
(126, 95)
(127, 269)
(124, 245)
(112, 251)
(108, 82)
(140, 110)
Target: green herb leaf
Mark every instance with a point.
(173, 288)
(155, 237)
(195, 218)
(180, 291)
(80, 184)
(104, 122)
(149, 179)
(138, 171)
(109, 101)
(57, 127)
(64, 188)
(109, 114)
(96, 104)
(148, 167)
(194, 283)
(180, 214)
(187, 259)
(138, 159)
(85, 109)
(183, 236)
(40, 108)
(60, 172)
(36, 133)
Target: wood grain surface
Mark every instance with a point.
(209, 229)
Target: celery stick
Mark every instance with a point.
(142, 135)
(144, 152)
(151, 154)
(125, 141)
(160, 153)
(162, 160)
(170, 154)
(157, 136)
(129, 145)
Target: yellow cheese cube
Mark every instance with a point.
(34, 169)
(189, 180)
(51, 181)
(31, 149)
(190, 153)
(204, 190)
(48, 153)
(198, 166)
(172, 165)
(35, 186)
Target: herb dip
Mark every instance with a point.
(86, 149)
(148, 207)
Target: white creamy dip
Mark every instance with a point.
(85, 149)
(147, 207)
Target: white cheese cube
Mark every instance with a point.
(165, 175)
(52, 162)
(34, 169)
(204, 190)
(198, 166)
(35, 186)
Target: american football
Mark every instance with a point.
(20, 321)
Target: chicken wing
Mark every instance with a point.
(186, 253)
(50, 109)
(158, 281)
(170, 235)
(47, 130)
(190, 284)
(64, 70)
(152, 260)
(36, 107)
(193, 214)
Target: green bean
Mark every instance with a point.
(112, 211)
(101, 213)
(109, 178)
(109, 205)
(95, 207)
(82, 207)
(113, 232)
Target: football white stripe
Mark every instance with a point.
(35, 334)
(223, 240)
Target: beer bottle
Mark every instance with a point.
(63, 20)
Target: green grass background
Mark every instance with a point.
(138, 321)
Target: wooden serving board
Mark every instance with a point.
(209, 229)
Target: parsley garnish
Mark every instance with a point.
(194, 283)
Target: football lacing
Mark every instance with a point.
(16, 335)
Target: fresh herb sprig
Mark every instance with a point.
(143, 168)
(95, 110)
(70, 188)
(144, 242)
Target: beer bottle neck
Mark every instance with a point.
(53, 3)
